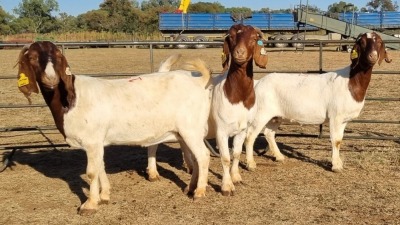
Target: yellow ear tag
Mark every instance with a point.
(223, 57)
(354, 54)
(23, 80)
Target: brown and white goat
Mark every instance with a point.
(337, 97)
(92, 113)
(233, 98)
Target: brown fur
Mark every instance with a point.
(240, 47)
(362, 65)
(32, 62)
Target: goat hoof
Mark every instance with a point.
(104, 202)
(240, 183)
(251, 167)
(337, 170)
(188, 191)
(228, 193)
(279, 159)
(87, 212)
(154, 179)
(197, 198)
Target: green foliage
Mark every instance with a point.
(67, 23)
(206, 7)
(94, 20)
(268, 10)
(149, 4)
(5, 19)
(244, 10)
(22, 25)
(39, 12)
(341, 7)
(383, 5)
(313, 8)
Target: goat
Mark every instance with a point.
(233, 97)
(314, 99)
(92, 113)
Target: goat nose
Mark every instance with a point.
(373, 56)
(240, 51)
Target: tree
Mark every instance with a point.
(148, 4)
(383, 5)
(94, 20)
(67, 23)
(5, 19)
(245, 10)
(122, 7)
(122, 16)
(206, 7)
(39, 12)
(22, 25)
(314, 8)
(265, 10)
(341, 7)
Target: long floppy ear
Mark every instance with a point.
(225, 53)
(26, 73)
(383, 55)
(355, 54)
(260, 54)
(66, 76)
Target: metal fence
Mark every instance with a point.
(151, 45)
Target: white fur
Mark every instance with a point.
(144, 111)
(49, 70)
(306, 99)
(230, 120)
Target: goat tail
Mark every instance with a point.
(201, 66)
(166, 65)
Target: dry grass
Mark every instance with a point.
(47, 186)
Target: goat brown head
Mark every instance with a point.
(43, 64)
(368, 50)
(244, 43)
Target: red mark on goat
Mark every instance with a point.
(134, 78)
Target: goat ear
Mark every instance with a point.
(26, 73)
(66, 76)
(225, 53)
(383, 55)
(355, 55)
(260, 55)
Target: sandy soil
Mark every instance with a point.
(47, 185)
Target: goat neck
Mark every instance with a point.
(359, 81)
(239, 84)
(56, 100)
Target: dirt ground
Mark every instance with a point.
(47, 185)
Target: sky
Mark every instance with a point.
(76, 7)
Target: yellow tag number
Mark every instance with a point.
(23, 80)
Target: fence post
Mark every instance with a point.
(151, 58)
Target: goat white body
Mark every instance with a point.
(234, 117)
(230, 120)
(145, 110)
(306, 99)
